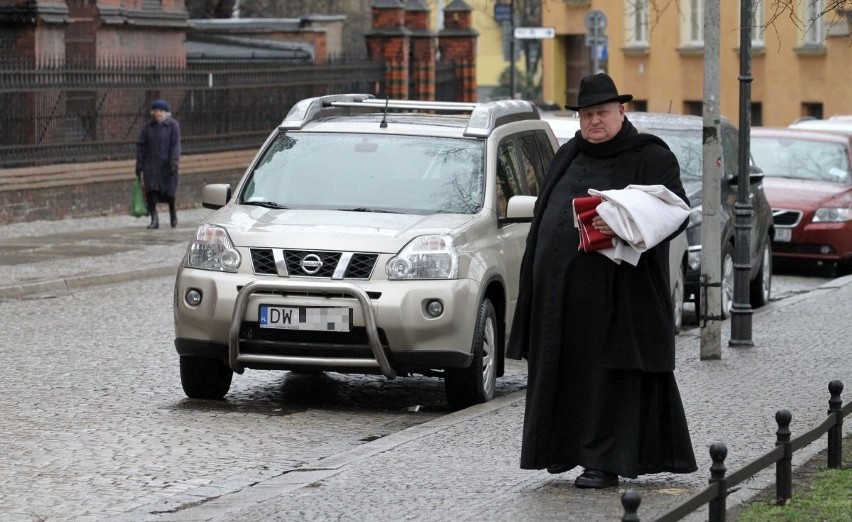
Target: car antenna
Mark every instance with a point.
(384, 123)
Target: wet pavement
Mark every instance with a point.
(464, 465)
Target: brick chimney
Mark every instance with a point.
(423, 46)
(457, 43)
(389, 41)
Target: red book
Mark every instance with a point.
(585, 209)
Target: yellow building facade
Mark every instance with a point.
(654, 51)
(490, 58)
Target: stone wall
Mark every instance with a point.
(95, 189)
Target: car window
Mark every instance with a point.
(801, 159)
(407, 174)
(686, 146)
(532, 162)
(508, 174)
(730, 152)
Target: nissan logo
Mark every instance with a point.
(311, 264)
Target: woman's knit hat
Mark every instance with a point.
(163, 105)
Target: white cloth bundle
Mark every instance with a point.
(641, 216)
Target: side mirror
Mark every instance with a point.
(755, 174)
(216, 195)
(519, 209)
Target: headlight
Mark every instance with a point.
(693, 258)
(212, 249)
(832, 215)
(425, 257)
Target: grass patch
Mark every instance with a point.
(819, 494)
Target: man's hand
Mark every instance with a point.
(601, 226)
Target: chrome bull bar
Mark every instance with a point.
(235, 358)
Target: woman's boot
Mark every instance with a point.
(155, 220)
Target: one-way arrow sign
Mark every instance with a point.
(534, 32)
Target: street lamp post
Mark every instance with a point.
(741, 312)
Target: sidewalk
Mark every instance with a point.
(465, 465)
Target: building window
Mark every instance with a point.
(814, 23)
(692, 29)
(812, 110)
(756, 114)
(758, 24)
(636, 22)
(639, 105)
(694, 108)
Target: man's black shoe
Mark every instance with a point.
(596, 479)
(558, 468)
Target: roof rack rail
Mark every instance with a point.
(310, 108)
(484, 117)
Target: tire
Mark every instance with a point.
(677, 299)
(761, 287)
(475, 384)
(204, 377)
(727, 280)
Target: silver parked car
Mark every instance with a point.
(367, 236)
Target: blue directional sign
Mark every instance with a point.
(502, 12)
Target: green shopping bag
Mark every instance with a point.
(138, 208)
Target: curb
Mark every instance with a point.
(55, 287)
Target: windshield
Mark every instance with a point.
(686, 145)
(369, 173)
(801, 159)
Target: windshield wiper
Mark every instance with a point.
(266, 204)
(366, 209)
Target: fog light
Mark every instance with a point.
(435, 308)
(193, 297)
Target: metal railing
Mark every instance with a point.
(86, 113)
(715, 494)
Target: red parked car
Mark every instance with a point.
(808, 181)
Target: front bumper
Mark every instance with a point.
(391, 331)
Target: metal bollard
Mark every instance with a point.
(835, 433)
(784, 466)
(717, 507)
(630, 500)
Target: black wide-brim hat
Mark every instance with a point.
(596, 89)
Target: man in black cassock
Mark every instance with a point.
(598, 335)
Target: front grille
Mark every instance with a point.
(348, 265)
(307, 339)
(294, 260)
(361, 266)
(263, 261)
(786, 218)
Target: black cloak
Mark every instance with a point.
(599, 336)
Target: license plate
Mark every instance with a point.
(783, 235)
(322, 319)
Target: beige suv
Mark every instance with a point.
(367, 236)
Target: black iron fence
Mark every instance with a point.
(715, 494)
(85, 113)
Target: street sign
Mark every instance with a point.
(595, 20)
(534, 32)
(502, 12)
(596, 40)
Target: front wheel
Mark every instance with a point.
(727, 279)
(204, 377)
(677, 299)
(475, 384)
(761, 286)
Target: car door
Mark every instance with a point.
(514, 177)
(731, 147)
